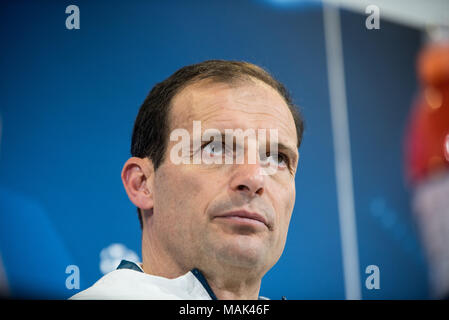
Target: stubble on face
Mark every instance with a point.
(188, 197)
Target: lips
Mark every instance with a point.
(243, 214)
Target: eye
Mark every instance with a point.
(214, 148)
(279, 159)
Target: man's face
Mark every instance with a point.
(199, 209)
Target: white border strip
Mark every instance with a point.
(342, 151)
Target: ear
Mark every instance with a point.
(138, 180)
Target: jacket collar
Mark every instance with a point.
(124, 264)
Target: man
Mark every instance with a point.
(210, 229)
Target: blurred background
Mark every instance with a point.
(371, 219)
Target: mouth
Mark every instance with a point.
(243, 217)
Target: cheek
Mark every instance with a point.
(287, 203)
(290, 201)
(172, 184)
(179, 196)
(173, 208)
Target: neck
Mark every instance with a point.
(226, 281)
(156, 261)
(231, 285)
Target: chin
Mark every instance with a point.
(244, 252)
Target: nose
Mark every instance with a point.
(248, 180)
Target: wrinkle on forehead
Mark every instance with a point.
(220, 105)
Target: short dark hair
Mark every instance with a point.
(151, 128)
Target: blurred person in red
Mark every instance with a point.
(427, 158)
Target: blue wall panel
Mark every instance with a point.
(68, 100)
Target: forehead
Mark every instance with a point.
(244, 105)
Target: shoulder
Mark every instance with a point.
(127, 284)
(118, 284)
